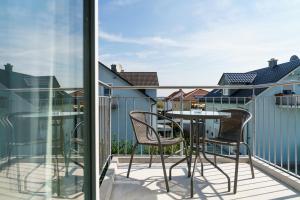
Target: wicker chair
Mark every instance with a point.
(146, 134)
(15, 142)
(77, 146)
(231, 133)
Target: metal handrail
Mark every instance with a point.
(39, 89)
(208, 86)
(160, 87)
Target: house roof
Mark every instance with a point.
(127, 81)
(141, 78)
(175, 94)
(263, 76)
(77, 93)
(11, 79)
(192, 95)
(237, 78)
(195, 94)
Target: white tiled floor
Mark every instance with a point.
(33, 178)
(148, 183)
(145, 183)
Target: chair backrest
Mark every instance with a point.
(232, 128)
(77, 140)
(141, 123)
(17, 129)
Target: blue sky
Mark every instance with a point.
(190, 42)
(43, 38)
(193, 42)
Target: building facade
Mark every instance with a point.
(269, 105)
(124, 101)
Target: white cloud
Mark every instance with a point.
(149, 41)
(235, 38)
(45, 55)
(123, 2)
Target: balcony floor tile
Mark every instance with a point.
(148, 183)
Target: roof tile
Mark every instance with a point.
(141, 78)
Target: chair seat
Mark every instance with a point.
(78, 141)
(219, 140)
(164, 141)
(40, 141)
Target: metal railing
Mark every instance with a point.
(272, 133)
(44, 100)
(121, 129)
(277, 126)
(104, 131)
(122, 132)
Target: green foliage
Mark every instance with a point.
(160, 104)
(124, 147)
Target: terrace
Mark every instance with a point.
(65, 128)
(275, 156)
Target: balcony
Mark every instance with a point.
(272, 135)
(275, 156)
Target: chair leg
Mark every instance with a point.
(236, 168)
(131, 158)
(180, 161)
(151, 155)
(216, 166)
(175, 164)
(187, 159)
(164, 167)
(9, 149)
(192, 176)
(215, 157)
(57, 174)
(18, 171)
(250, 160)
(202, 167)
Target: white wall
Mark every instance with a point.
(125, 101)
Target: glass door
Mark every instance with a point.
(44, 142)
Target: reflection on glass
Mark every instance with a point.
(41, 119)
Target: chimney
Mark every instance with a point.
(272, 62)
(8, 67)
(113, 68)
(116, 68)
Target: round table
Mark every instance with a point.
(54, 116)
(196, 115)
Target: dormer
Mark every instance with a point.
(228, 79)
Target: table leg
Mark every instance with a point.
(204, 155)
(187, 157)
(196, 156)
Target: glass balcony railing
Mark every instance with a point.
(42, 140)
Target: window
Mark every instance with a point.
(226, 91)
(107, 91)
(43, 62)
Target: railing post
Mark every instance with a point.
(181, 121)
(254, 125)
(109, 117)
(295, 137)
(126, 132)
